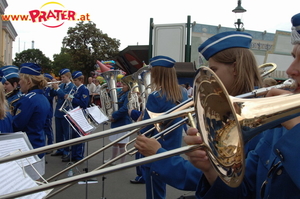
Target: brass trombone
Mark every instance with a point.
(265, 73)
(224, 123)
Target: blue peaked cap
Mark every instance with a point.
(48, 76)
(9, 72)
(63, 71)
(163, 61)
(295, 36)
(76, 74)
(30, 69)
(223, 41)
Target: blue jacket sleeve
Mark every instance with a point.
(81, 98)
(277, 147)
(123, 110)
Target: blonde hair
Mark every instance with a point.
(3, 103)
(35, 80)
(267, 82)
(248, 75)
(69, 75)
(165, 80)
(80, 78)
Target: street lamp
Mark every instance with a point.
(239, 10)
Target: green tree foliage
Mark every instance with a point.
(34, 56)
(86, 44)
(62, 60)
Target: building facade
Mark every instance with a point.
(7, 36)
(173, 40)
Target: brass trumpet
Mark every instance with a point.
(57, 82)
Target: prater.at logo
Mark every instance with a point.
(54, 14)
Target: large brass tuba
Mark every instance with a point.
(143, 77)
(108, 92)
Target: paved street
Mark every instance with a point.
(115, 185)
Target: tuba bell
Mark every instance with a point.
(143, 77)
(108, 92)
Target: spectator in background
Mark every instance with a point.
(189, 89)
(96, 93)
(91, 87)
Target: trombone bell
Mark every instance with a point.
(226, 123)
(217, 124)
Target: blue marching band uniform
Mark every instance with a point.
(10, 72)
(81, 99)
(62, 127)
(32, 110)
(121, 116)
(272, 157)
(158, 103)
(6, 122)
(49, 94)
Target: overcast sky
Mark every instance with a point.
(128, 21)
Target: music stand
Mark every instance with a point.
(18, 178)
(99, 117)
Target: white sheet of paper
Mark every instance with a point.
(13, 179)
(97, 114)
(17, 145)
(78, 116)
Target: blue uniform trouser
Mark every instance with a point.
(155, 188)
(78, 149)
(49, 132)
(139, 169)
(62, 133)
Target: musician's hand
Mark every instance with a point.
(292, 122)
(276, 91)
(54, 86)
(111, 119)
(147, 146)
(199, 157)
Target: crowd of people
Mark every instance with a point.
(271, 159)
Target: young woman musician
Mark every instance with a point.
(33, 108)
(10, 82)
(272, 169)
(120, 118)
(167, 93)
(62, 127)
(233, 62)
(48, 92)
(80, 99)
(5, 116)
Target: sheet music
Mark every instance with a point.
(17, 145)
(78, 116)
(97, 114)
(14, 179)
